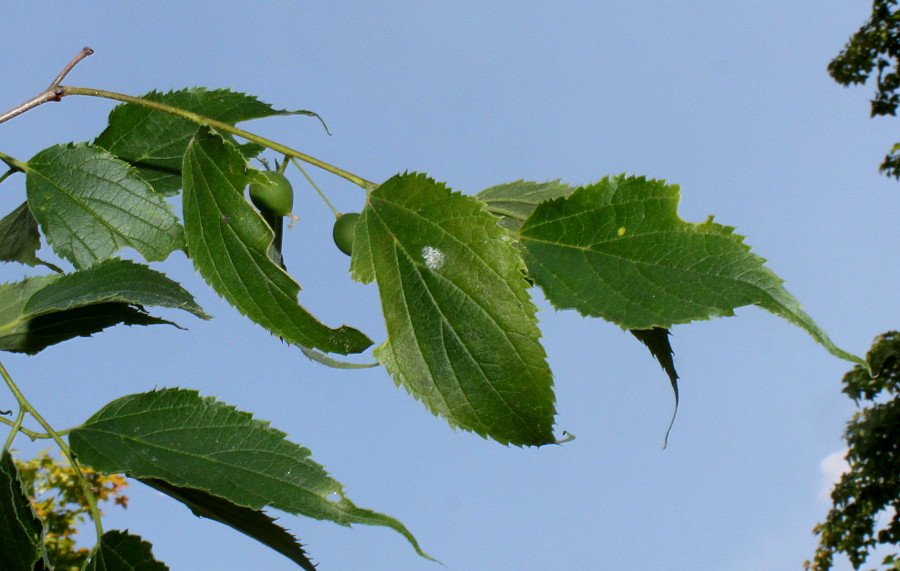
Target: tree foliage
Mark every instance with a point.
(866, 510)
(875, 47)
(454, 274)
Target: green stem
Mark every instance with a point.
(31, 433)
(7, 174)
(322, 194)
(85, 486)
(14, 165)
(64, 90)
(16, 426)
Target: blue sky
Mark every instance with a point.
(729, 100)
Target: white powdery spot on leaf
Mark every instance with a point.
(433, 257)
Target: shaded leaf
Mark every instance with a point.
(155, 142)
(121, 551)
(515, 201)
(21, 532)
(252, 523)
(229, 242)
(112, 281)
(462, 335)
(90, 205)
(20, 239)
(618, 250)
(193, 442)
(42, 311)
(657, 341)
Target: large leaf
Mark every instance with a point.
(253, 523)
(90, 205)
(229, 242)
(121, 551)
(514, 202)
(42, 311)
(155, 142)
(462, 335)
(618, 250)
(193, 442)
(21, 532)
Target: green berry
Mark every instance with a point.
(344, 230)
(275, 196)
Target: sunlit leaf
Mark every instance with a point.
(21, 532)
(193, 442)
(121, 551)
(462, 335)
(618, 250)
(155, 142)
(250, 522)
(229, 243)
(90, 205)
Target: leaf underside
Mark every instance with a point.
(618, 250)
(189, 441)
(462, 334)
(21, 532)
(252, 523)
(229, 242)
(90, 205)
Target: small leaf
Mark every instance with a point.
(462, 335)
(121, 551)
(90, 205)
(115, 280)
(194, 442)
(657, 341)
(155, 142)
(515, 201)
(229, 243)
(20, 239)
(252, 523)
(618, 250)
(21, 532)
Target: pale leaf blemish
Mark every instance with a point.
(621, 231)
(433, 257)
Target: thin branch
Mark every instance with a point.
(52, 93)
(31, 433)
(79, 475)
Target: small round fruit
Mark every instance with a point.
(344, 230)
(276, 196)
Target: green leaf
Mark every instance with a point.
(121, 551)
(194, 442)
(229, 242)
(90, 205)
(252, 523)
(618, 250)
(20, 239)
(42, 311)
(155, 142)
(115, 280)
(21, 532)
(462, 335)
(323, 359)
(515, 201)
